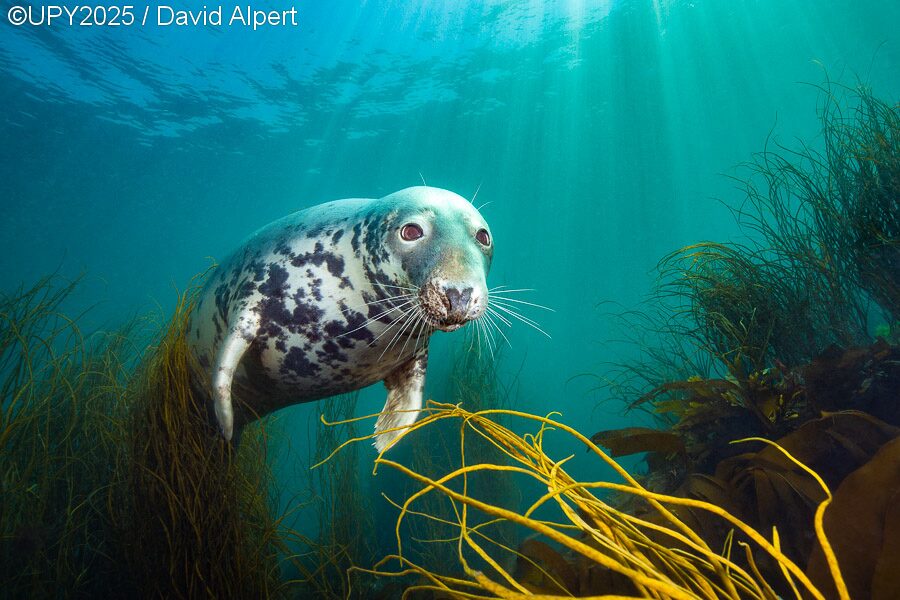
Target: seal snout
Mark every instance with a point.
(449, 306)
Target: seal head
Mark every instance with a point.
(339, 296)
(442, 248)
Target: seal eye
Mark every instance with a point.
(483, 237)
(411, 232)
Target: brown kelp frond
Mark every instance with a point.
(195, 513)
(581, 545)
(61, 420)
(867, 500)
(705, 414)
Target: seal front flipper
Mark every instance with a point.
(405, 386)
(233, 347)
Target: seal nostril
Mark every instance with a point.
(458, 301)
(465, 298)
(451, 299)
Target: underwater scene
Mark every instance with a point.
(450, 299)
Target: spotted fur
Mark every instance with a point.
(305, 309)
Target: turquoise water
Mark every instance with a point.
(599, 133)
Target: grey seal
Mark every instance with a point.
(337, 297)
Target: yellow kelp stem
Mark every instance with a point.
(660, 554)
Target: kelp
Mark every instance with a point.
(61, 415)
(773, 339)
(631, 440)
(822, 257)
(860, 378)
(827, 244)
(194, 512)
(772, 332)
(744, 307)
(706, 414)
(863, 526)
(834, 214)
(113, 482)
(765, 490)
(834, 414)
(586, 546)
(473, 381)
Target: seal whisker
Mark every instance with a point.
(415, 321)
(393, 289)
(409, 318)
(488, 338)
(422, 327)
(502, 289)
(407, 295)
(375, 318)
(406, 321)
(396, 302)
(497, 314)
(399, 287)
(490, 333)
(393, 324)
(475, 195)
(398, 321)
(493, 316)
(480, 333)
(426, 327)
(525, 320)
(471, 335)
(476, 337)
(380, 300)
(491, 321)
(503, 299)
(512, 312)
(380, 335)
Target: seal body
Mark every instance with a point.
(337, 297)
